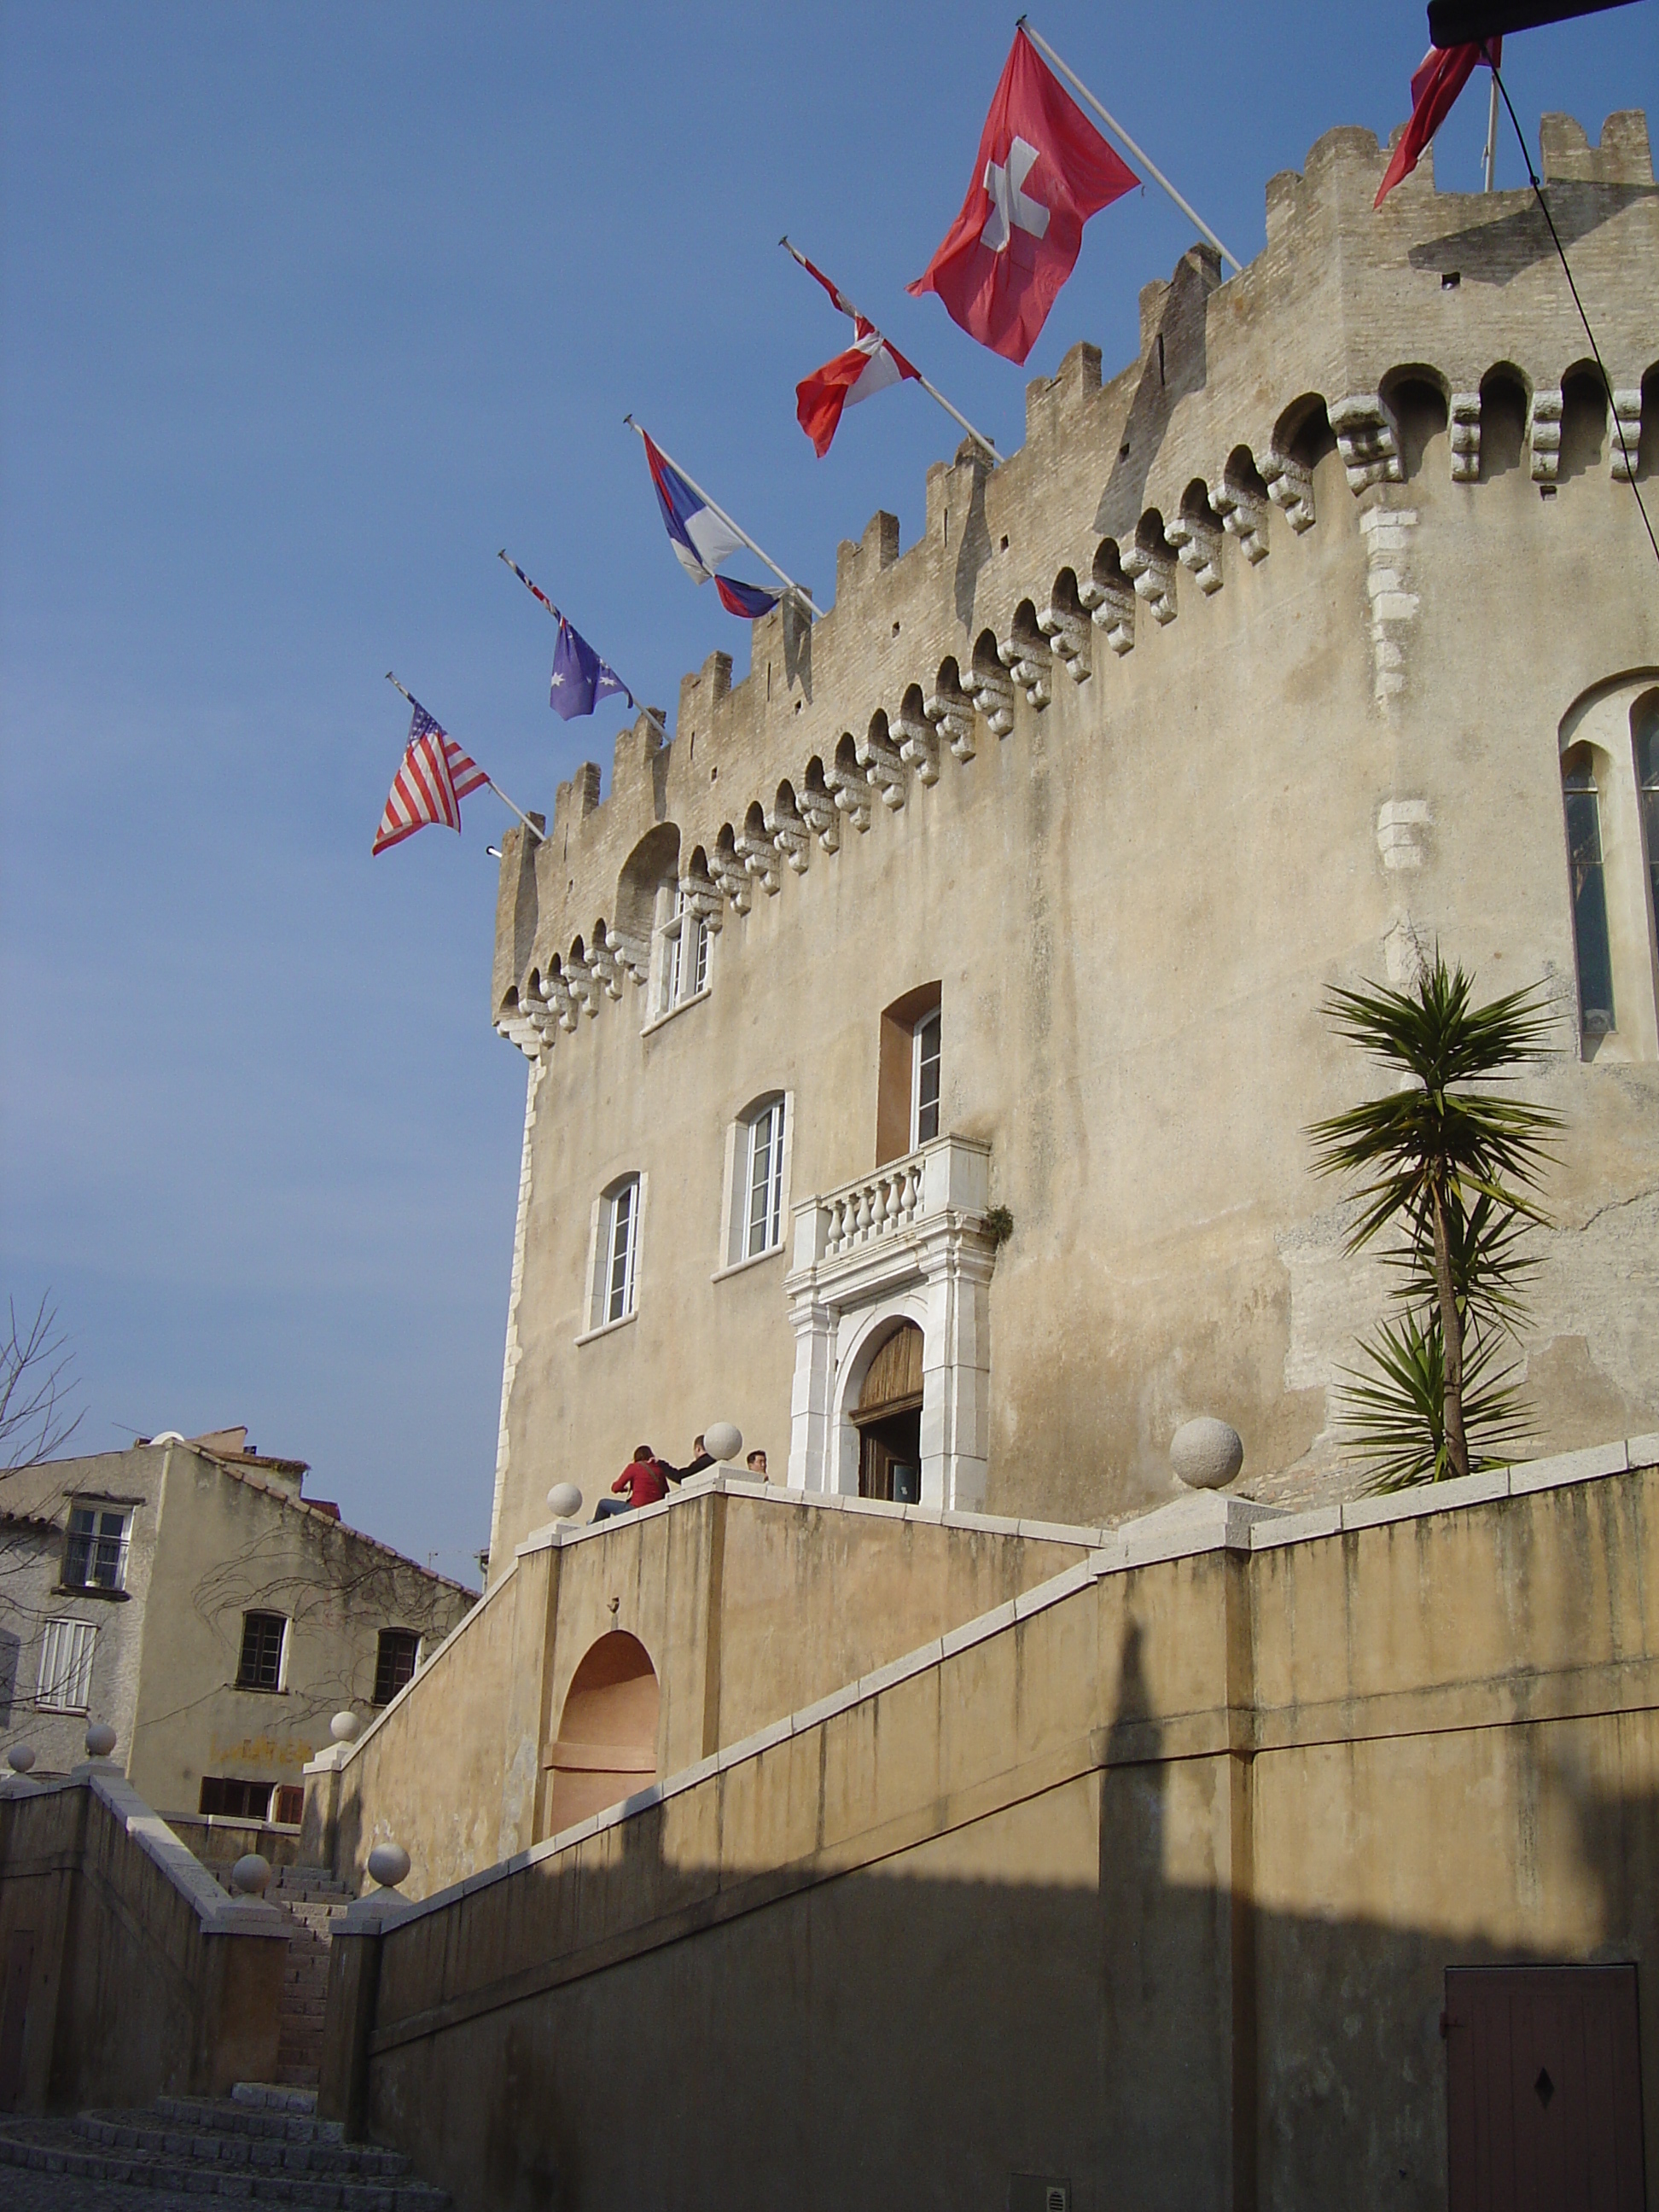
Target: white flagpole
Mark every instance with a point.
(540, 836)
(1112, 123)
(1492, 135)
(794, 589)
(932, 390)
(536, 593)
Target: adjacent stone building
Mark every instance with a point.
(923, 1045)
(189, 1595)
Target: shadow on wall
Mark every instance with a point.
(941, 2020)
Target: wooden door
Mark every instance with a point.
(1544, 2089)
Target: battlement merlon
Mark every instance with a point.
(1191, 438)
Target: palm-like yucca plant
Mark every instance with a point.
(1454, 1166)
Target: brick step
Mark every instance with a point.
(52, 2146)
(230, 2149)
(253, 2108)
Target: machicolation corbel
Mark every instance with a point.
(1150, 565)
(1024, 652)
(950, 710)
(818, 809)
(1065, 625)
(1463, 413)
(789, 834)
(848, 785)
(879, 756)
(1368, 439)
(1109, 597)
(992, 688)
(1196, 534)
(916, 738)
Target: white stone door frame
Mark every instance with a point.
(909, 1243)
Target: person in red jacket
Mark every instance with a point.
(646, 1478)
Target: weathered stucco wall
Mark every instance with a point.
(1153, 1888)
(750, 1606)
(1134, 897)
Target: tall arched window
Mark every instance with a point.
(924, 1086)
(1647, 778)
(615, 1253)
(1589, 893)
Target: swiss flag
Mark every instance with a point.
(1043, 171)
(869, 365)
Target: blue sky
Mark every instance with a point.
(308, 311)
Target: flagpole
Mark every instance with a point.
(932, 390)
(714, 508)
(536, 593)
(1112, 123)
(540, 836)
(1492, 137)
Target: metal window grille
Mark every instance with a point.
(925, 1085)
(261, 1664)
(66, 1679)
(95, 1555)
(394, 1663)
(620, 1244)
(765, 1180)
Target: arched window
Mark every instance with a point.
(1590, 892)
(763, 1222)
(908, 1074)
(756, 1162)
(888, 1419)
(615, 1253)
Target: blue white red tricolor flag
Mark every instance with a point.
(435, 776)
(702, 539)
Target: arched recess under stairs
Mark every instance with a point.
(607, 1746)
(888, 1417)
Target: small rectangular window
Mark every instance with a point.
(66, 1679)
(95, 1555)
(765, 1224)
(394, 1662)
(229, 1797)
(261, 1663)
(925, 1090)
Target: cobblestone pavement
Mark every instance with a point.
(23, 2192)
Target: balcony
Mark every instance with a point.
(910, 1242)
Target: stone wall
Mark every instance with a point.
(1249, 675)
(750, 1604)
(137, 1976)
(1147, 1882)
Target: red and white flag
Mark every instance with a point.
(1043, 170)
(1440, 76)
(435, 776)
(871, 363)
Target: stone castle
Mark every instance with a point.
(921, 1048)
(957, 973)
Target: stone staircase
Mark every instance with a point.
(263, 2141)
(313, 1900)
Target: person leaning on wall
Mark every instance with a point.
(645, 1480)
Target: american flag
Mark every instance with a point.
(435, 776)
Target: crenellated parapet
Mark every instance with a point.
(1130, 510)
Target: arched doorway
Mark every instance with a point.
(888, 1417)
(606, 1747)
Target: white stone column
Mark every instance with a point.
(956, 1374)
(810, 1394)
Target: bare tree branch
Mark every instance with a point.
(37, 1382)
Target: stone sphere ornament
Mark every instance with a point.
(1206, 1454)
(722, 1440)
(251, 1876)
(20, 1758)
(100, 1739)
(388, 1863)
(564, 1501)
(345, 1727)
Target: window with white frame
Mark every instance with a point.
(95, 1554)
(683, 960)
(924, 1081)
(66, 1679)
(760, 1180)
(617, 1253)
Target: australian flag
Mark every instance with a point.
(580, 678)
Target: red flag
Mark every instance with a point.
(1043, 171)
(1441, 76)
(870, 364)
